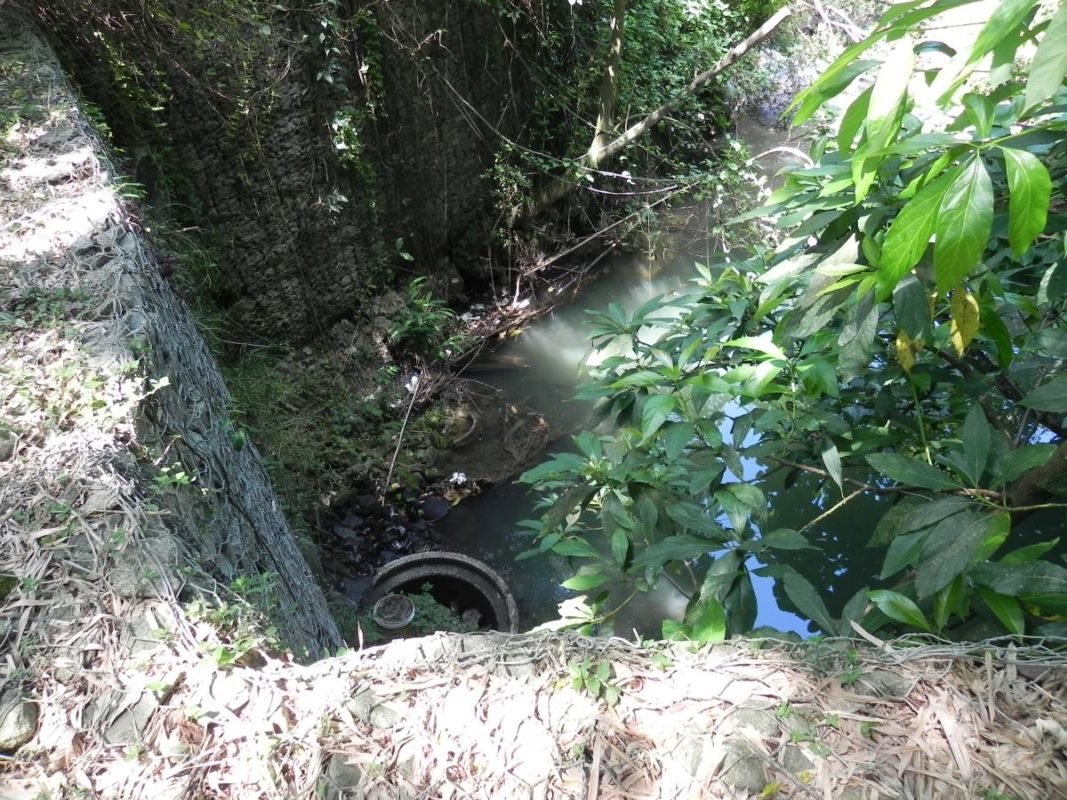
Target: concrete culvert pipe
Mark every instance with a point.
(454, 580)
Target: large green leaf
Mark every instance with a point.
(831, 459)
(949, 550)
(1021, 460)
(911, 472)
(709, 622)
(911, 306)
(1051, 396)
(976, 442)
(786, 539)
(1007, 610)
(852, 119)
(673, 548)
(721, 575)
(910, 232)
(1006, 17)
(1020, 580)
(582, 583)
(964, 222)
(1030, 187)
(900, 608)
(890, 89)
(741, 604)
(576, 547)
(655, 412)
(1050, 61)
(903, 552)
(807, 600)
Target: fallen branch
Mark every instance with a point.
(561, 187)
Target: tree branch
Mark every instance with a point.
(560, 188)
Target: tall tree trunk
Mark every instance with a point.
(609, 87)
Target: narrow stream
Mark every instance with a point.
(554, 349)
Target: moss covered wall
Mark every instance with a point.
(310, 135)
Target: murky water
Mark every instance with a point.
(554, 349)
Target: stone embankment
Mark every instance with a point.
(129, 670)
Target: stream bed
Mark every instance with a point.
(541, 368)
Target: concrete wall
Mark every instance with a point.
(245, 117)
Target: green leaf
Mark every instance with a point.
(620, 546)
(1022, 460)
(581, 583)
(964, 222)
(709, 623)
(673, 548)
(655, 412)
(911, 472)
(852, 119)
(1007, 16)
(903, 552)
(1007, 610)
(910, 232)
(995, 536)
(1053, 283)
(786, 539)
(1050, 62)
(1051, 396)
(677, 438)
(831, 459)
(804, 596)
(1020, 580)
(1031, 552)
(899, 608)
(1030, 187)
(949, 550)
(890, 89)
(976, 442)
(740, 604)
(575, 547)
(758, 344)
(912, 308)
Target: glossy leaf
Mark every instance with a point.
(1031, 552)
(786, 539)
(911, 472)
(1021, 460)
(900, 608)
(964, 222)
(1007, 609)
(709, 621)
(1051, 396)
(911, 306)
(673, 548)
(581, 583)
(831, 459)
(1050, 61)
(655, 412)
(909, 234)
(949, 550)
(1017, 580)
(807, 600)
(976, 442)
(1030, 187)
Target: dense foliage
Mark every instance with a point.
(905, 340)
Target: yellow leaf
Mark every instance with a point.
(907, 349)
(964, 325)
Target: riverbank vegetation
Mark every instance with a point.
(903, 342)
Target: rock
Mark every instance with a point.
(18, 721)
(7, 444)
(343, 780)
